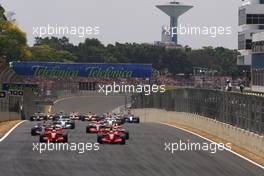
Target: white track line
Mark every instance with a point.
(237, 154)
(14, 127)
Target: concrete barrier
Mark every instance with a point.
(5, 116)
(240, 137)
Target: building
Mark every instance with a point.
(251, 20)
(257, 68)
(173, 10)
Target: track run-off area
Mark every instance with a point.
(143, 155)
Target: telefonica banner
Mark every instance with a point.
(51, 69)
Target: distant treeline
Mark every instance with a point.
(176, 61)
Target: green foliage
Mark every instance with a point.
(221, 59)
(13, 42)
(175, 60)
(56, 43)
(2, 14)
(48, 54)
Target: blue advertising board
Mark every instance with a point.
(52, 69)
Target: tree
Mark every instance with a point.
(2, 14)
(182, 60)
(13, 42)
(92, 50)
(56, 43)
(48, 54)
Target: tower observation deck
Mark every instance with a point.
(174, 10)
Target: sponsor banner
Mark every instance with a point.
(51, 69)
(19, 87)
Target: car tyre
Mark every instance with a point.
(88, 129)
(41, 138)
(33, 132)
(99, 139)
(73, 126)
(127, 134)
(65, 138)
(123, 137)
(136, 120)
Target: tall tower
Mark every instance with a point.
(174, 10)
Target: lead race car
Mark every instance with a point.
(54, 134)
(111, 136)
(117, 128)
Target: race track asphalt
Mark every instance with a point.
(143, 155)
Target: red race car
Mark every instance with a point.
(53, 134)
(118, 128)
(111, 136)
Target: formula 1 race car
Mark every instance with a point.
(74, 116)
(118, 128)
(90, 117)
(118, 119)
(110, 120)
(111, 137)
(65, 123)
(38, 129)
(130, 118)
(95, 127)
(59, 116)
(53, 134)
(38, 117)
(63, 120)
